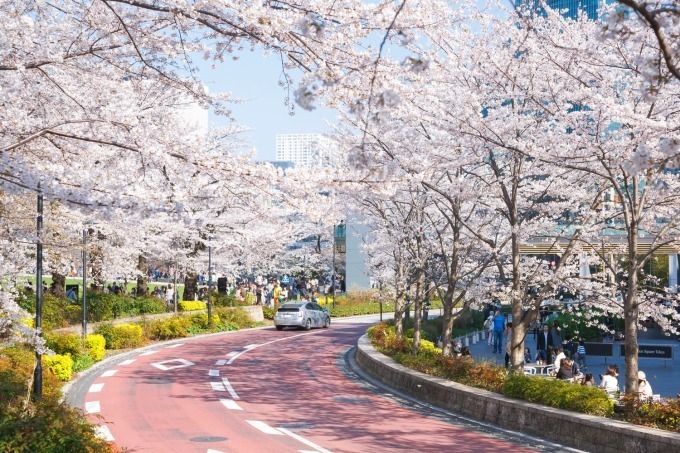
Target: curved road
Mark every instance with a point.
(266, 391)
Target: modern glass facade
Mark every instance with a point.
(569, 8)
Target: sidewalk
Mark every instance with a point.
(663, 375)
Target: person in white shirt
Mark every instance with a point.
(610, 382)
(489, 325)
(558, 359)
(644, 388)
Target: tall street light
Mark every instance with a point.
(37, 373)
(210, 320)
(85, 234)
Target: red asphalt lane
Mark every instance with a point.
(294, 380)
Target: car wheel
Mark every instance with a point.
(326, 322)
(279, 327)
(308, 324)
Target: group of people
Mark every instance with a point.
(567, 358)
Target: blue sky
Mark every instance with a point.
(254, 79)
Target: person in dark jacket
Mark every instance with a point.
(544, 340)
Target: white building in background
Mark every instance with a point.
(304, 150)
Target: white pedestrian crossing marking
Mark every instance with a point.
(220, 362)
(213, 372)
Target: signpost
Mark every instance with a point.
(651, 351)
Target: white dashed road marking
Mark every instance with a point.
(175, 345)
(104, 433)
(265, 428)
(304, 441)
(231, 404)
(229, 388)
(221, 362)
(251, 346)
(233, 353)
(109, 373)
(148, 353)
(213, 372)
(217, 386)
(92, 407)
(210, 450)
(94, 388)
(127, 362)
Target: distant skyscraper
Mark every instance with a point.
(570, 8)
(305, 150)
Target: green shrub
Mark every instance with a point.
(167, 329)
(235, 316)
(96, 346)
(16, 368)
(49, 427)
(100, 306)
(64, 343)
(200, 320)
(54, 312)
(268, 313)
(559, 394)
(190, 305)
(82, 362)
(121, 336)
(660, 415)
(60, 365)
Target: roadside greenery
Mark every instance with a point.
(550, 392)
(50, 426)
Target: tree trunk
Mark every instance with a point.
(418, 309)
(190, 286)
(96, 261)
(447, 326)
(142, 280)
(399, 301)
(631, 314)
(58, 284)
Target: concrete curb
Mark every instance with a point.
(585, 432)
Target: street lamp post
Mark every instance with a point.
(84, 310)
(380, 299)
(210, 320)
(84, 283)
(333, 275)
(37, 373)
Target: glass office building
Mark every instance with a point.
(569, 8)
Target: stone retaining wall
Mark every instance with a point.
(255, 312)
(586, 432)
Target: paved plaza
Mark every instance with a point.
(663, 375)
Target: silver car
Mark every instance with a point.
(301, 314)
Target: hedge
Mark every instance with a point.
(60, 365)
(190, 305)
(121, 336)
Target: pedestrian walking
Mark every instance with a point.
(581, 354)
(489, 327)
(498, 329)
